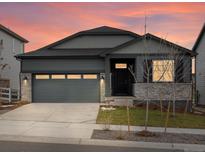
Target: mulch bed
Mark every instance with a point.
(157, 137)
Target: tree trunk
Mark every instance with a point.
(167, 117)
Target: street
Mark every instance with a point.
(11, 146)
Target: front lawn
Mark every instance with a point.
(137, 116)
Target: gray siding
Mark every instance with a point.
(95, 42)
(140, 47)
(200, 70)
(11, 47)
(63, 65)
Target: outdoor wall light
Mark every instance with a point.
(102, 77)
(25, 78)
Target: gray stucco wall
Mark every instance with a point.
(200, 70)
(11, 47)
(63, 65)
(101, 41)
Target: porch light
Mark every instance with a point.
(102, 77)
(25, 78)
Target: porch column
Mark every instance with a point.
(26, 86)
(107, 77)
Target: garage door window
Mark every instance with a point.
(90, 76)
(58, 76)
(74, 76)
(42, 77)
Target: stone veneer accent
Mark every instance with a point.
(183, 91)
(26, 87)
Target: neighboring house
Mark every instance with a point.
(199, 47)
(10, 45)
(93, 64)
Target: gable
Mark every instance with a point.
(12, 34)
(94, 41)
(151, 46)
(199, 39)
(11, 45)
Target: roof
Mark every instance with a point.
(199, 38)
(108, 30)
(148, 35)
(62, 53)
(103, 30)
(15, 35)
(50, 52)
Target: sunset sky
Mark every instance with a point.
(44, 23)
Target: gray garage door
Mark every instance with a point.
(66, 88)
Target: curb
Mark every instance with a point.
(97, 142)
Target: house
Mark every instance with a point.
(95, 64)
(199, 47)
(10, 45)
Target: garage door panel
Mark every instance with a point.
(66, 90)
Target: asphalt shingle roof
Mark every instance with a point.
(51, 52)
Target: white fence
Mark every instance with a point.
(8, 94)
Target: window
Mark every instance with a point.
(120, 65)
(42, 77)
(163, 70)
(74, 76)
(90, 76)
(57, 76)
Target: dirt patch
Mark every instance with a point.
(158, 137)
(6, 107)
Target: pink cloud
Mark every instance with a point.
(44, 23)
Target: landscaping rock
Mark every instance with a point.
(158, 137)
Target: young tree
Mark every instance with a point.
(170, 67)
(147, 70)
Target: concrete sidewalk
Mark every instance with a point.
(80, 133)
(72, 130)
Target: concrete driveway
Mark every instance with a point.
(55, 112)
(58, 120)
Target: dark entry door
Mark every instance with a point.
(122, 79)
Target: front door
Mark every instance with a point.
(121, 77)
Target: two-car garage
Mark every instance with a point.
(65, 88)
